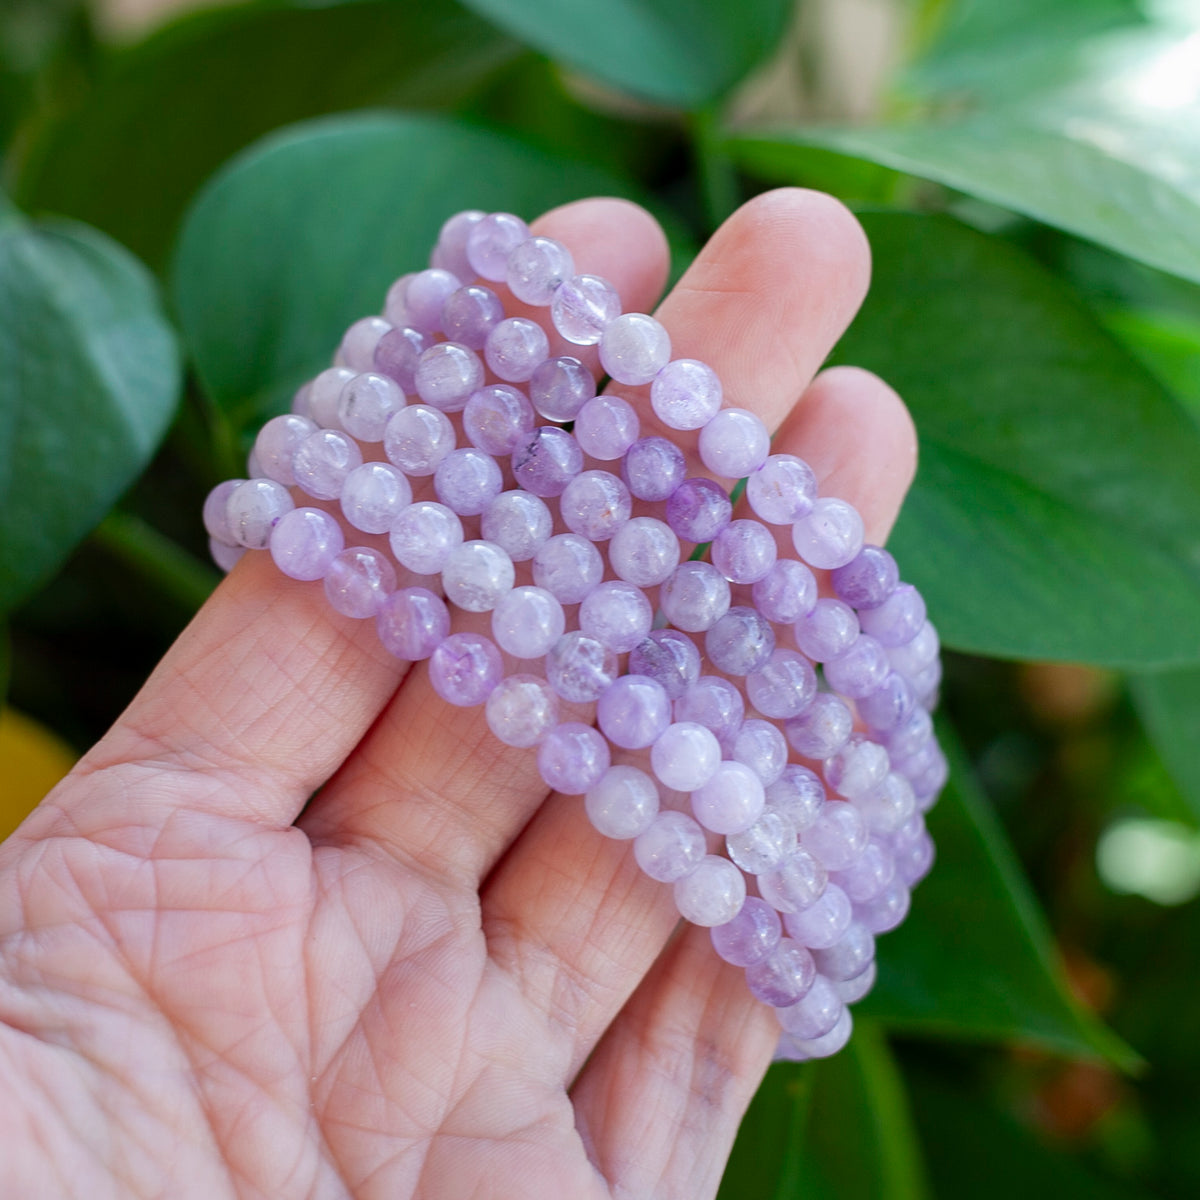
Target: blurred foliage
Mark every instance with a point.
(1029, 180)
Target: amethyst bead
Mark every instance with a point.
(515, 348)
(568, 567)
(595, 504)
(447, 374)
(814, 1014)
(583, 307)
(784, 686)
(398, 353)
(633, 712)
(477, 575)
(784, 976)
(685, 756)
(366, 403)
(798, 794)
(417, 438)
(216, 512)
(470, 314)
(751, 936)
(491, 240)
(760, 746)
(734, 443)
(451, 249)
(324, 393)
(653, 468)
(698, 510)
(821, 729)
(887, 910)
(740, 642)
(823, 922)
(623, 803)
(828, 630)
(224, 555)
(782, 490)
(252, 509)
(634, 348)
(519, 522)
(731, 800)
(849, 992)
(357, 350)
(857, 768)
(763, 845)
(276, 444)
(465, 668)
(467, 481)
(670, 847)
(304, 543)
(527, 622)
(711, 894)
(535, 269)
(560, 387)
(915, 655)
(424, 535)
(323, 460)
(715, 703)
(695, 597)
(868, 875)
(744, 551)
(830, 536)
(915, 860)
(579, 668)
(794, 883)
(358, 581)
(606, 426)
(849, 956)
(668, 656)
(394, 308)
(521, 710)
(686, 394)
(644, 551)
(866, 580)
(888, 705)
(837, 837)
(426, 296)
(887, 807)
(897, 619)
(573, 758)
(374, 495)
(547, 461)
(860, 669)
(616, 614)
(498, 419)
(412, 623)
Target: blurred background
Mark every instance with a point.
(196, 200)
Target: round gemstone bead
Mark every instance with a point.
(859, 670)
(686, 394)
(744, 551)
(670, 847)
(358, 581)
(782, 490)
(595, 504)
(828, 630)
(715, 703)
(366, 403)
(398, 353)
(887, 910)
(560, 387)
(324, 393)
(573, 758)
(849, 956)
(787, 592)
(633, 712)
(794, 883)
(798, 794)
(897, 619)
(695, 597)
(868, 875)
(323, 460)
(417, 438)
(698, 510)
(470, 314)
(644, 551)
(521, 710)
(412, 623)
(668, 656)
(515, 348)
(751, 936)
(731, 800)
(498, 419)
(784, 976)
(304, 543)
(837, 837)
(740, 642)
(491, 240)
(447, 374)
(535, 269)
(889, 704)
(606, 427)
(830, 536)
(616, 614)
(910, 735)
(252, 509)
(828, 1044)
(849, 992)
(887, 807)
(815, 1013)
(760, 746)
(822, 922)
(653, 468)
(763, 845)
(915, 655)
(519, 522)
(527, 622)
(685, 756)
(452, 241)
(394, 308)
(784, 686)
(374, 495)
(623, 804)
(477, 575)
(547, 461)
(276, 444)
(712, 893)
(465, 668)
(467, 481)
(425, 296)
(216, 512)
(424, 535)
(866, 580)
(579, 668)
(734, 443)
(568, 567)
(357, 350)
(300, 401)
(582, 308)
(914, 861)
(821, 729)
(857, 768)
(634, 348)
(224, 555)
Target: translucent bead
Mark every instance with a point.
(358, 581)
(837, 837)
(417, 438)
(668, 656)
(535, 269)
(715, 703)
(815, 1013)
(519, 522)
(323, 460)
(251, 510)
(860, 670)
(828, 1044)
(731, 800)
(830, 536)
(849, 956)
(782, 490)
(751, 936)
(644, 551)
(398, 353)
(447, 374)
(653, 468)
(712, 893)
(915, 861)
(476, 575)
(670, 847)
(424, 535)
(850, 991)
(412, 623)
(784, 686)
(595, 504)
(633, 712)
(374, 495)
(760, 746)
(828, 630)
(579, 668)
(470, 314)
(467, 481)
(324, 393)
(357, 350)
(798, 794)
(583, 307)
(888, 705)
(910, 735)
(276, 444)
(915, 655)
(547, 461)
(568, 567)
(253, 467)
(623, 804)
(740, 642)
(498, 419)
(897, 619)
(515, 348)
(744, 551)
(225, 556)
(763, 845)
(685, 756)
(734, 443)
(465, 668)
(573, 758)
(784, 976)
(491, 240)
(560, 387)
(695, 597)
(452, 242)
(822, 922)
(887, 807)
(521, 710)
(908, 833)
(857, 768)
(794, 883)
(926, 683)
(216, 512)
(426, 296)
(304, 543)
(686, 394)
(527, 622)
(821, 729)
(300, 401)
(887, 910)
(366, 403)
(616, 614)
(394, 308)
(868, 875)
(634, 348)
(866, 580)
(606, 426)
(698, 510)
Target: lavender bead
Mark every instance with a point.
(519, 523)
(426, 296)
(547, 461)
(849, 956)
(324, 393)
(784, 976)
(784, 686)
(216, 512)
(698, 510)
(253, 467)
(412, 623)
(583, 307)
(251, 510)
(731, 800)
(915, 861)
(560, 387)
(465, 668)
(852, 990)
(712, 894)
(568, 567)
(634, 348)
(374, 495)
(889, 806)
(794, 883)
(763, 845)
(866, 580)
(616, 614)
(668, 656)
(225, 556)
(828, 1044)
(527, 622)
(644, 551)
(398, 353)
(821, 729)
(715, 703)
(670, 847)
(751, 936)
(470, 314)
(606, 427)
(467, 481)
(761, 747)
(623, 804)
(395, 310)
(782, 490)
(815, 1013)
(740, 642)
(358, 581)
(744, 551)
(868, 875)
(424, 535)
(521, 710)
(685, 756)
(823, 922)
(323, 460)
(417, 438)
(837, 837)
(926, 683)
(491, 240)
(476, 576)
(366, 403)
(301, 399)
(918, 653)
(798, 794)
(857, 768)
(451, 248)
(276, 444)
(498, 419)
(653, 468)
(859, 670)
(734, 443)
(357, 350)
(910, 735)
(515, 348)
(686, 394)
(535, 269)
(898, 619)
(886, 708)
(887, 910)
(304, 543)
(830, 536)
(579, 668)
(828, 630)
(908, 833)
(633, 712)
(573, 758)
(787, 592)
(595, 504)
(447, 374)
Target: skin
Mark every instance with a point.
(434, 980)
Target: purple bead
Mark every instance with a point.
(515, 348)
(824, 921)
(634, 348)
(849, 992)
(465, 668)
(740, 642)
(897, 619)
(491, 240)
(798, 794)
(452, 242)
(914, 656)
(616, 614)
(698, 510)
(784, 976)
(734, 443)
(547, 461)
(910, 735)
(412, 623)
(225, 556)
(857, 768)
(521, 710)
(888, 705)
(518, 522)
(366, 403)
(417, 438)
(568, 567)
(357, 350)
(323, 460)
(887, 910)
(837, 837)
(477, 575)
(859, 670)
(426, 296)
(622, 803)
(216, 512)
(744, 551)
(784, 686)
(573, 758)
(305, 542)
(715, 703)
(498, 419)
(535, 269)
(868, 875)
(606, 427)
(276, 444)
(301, 401)
(579, 668)
(915, 861)
(324, 393)
(358, 581)
(888, 806)
(866, 580)
(712, 894)
(527, 622)
(827, 631)
(686, 394)
(252, 509)
(795, 883)
(782, 490)
(815, 1013)
(830, 536)
(470, 314)
(424, 535)
(828, 1044)
(695, 597)
(644, 551)
(763, 845)
(633, 712)
(670, 657)
(821, 729)
(670, 847)
(398, 353)
(849, 956)
(751, 936)
(447, 374)
(467, 481)
(560, 387)
(374, 495)
(731, 800)
(760, 746)
(394, 308)
(595, 504)
(653, 468)
(583, 307)
(926, 683)
(685, 756)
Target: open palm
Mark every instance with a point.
(431, 979)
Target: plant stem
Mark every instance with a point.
(162, 562)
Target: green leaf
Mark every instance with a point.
(685, 53)
(1059, 483)
(89, 380)
(1169, 704)
(974, 958)
(304, 233)
(165, 113)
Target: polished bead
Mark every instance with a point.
(715, 703)
(897, 619)
(465, 668)
(821, 729)
(498, 419)
(734, 443)
(887, 910)
(815, 1013)
(763, 845)
(744, 551)
(866, 580)
(519, 522)
(275, 446)
(828, 630)
(424, 535)
(852, 990)
(782, 490)
(582, 308)
(324, 394)
(398, 353)
(251, 510)
(573, 758)
(670, 847)
(698, 510)
(915, 860)
(357, 350)
(712, 893)
(888, 806)
(527, 622)
(644, 551)
(477, 575)
(731, 800)
(695, 597)
(824, 921)
(366, 403)
(304, 543)
(301, 401)
(452, 242)
(568, 566)
(224, 555)
(686, 394)
(849, 956)
(830, 536)
(547, 461)
(760, 746)
(784, 686)
(606, 427)
(467, 481)
(784, 976)
(417, 438)
(491, 240)
(916, 654)
(740, 642)
(412, 623)
(616, 614)
(828, 1044)
(751, 936)
(685, 756)
(323, 460)
(634, 348)
(794, 883)
(837, 837)
(595, 504)
(560, 387)
(358, 581)
(633, 712)
(216, 512)
(653, 468)
(868, 875)
(910, 735)
(447, 375)
(395, 310)
(579, 668)
(535, 269)
(856, 768)
(521, 710)
(470, 314)
(668, 656)
(623, 803)
(859, 670)
(374, 495)
(787, 592)
(426, 296)
(515, 348)
(798, 794)
(888, 705)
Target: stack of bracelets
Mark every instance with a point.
(834, 842)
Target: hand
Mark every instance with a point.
(431, 980)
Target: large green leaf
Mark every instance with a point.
(89, 376)
(1169, 705)
(1058, 498)
(165, 113)
(304, 233)
(974, 958)
(684, 53)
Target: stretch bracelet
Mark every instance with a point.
(768, 750)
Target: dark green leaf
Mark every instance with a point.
(768, 1159)
(685, 53)
(1059, 485)
(88, 384)
(1169, 705)
(166, 113)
